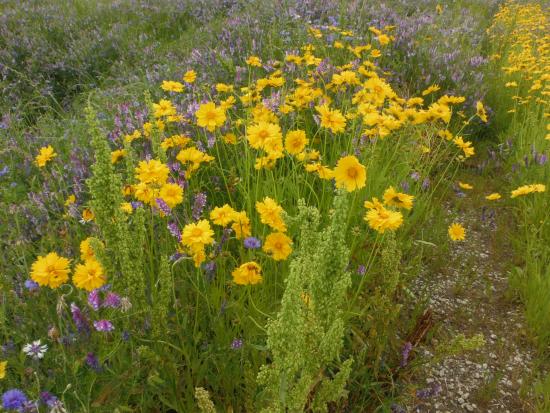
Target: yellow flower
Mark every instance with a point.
(465, 185)
(190, 76)
(87, 215)
(241, 225)
(197, 235)
(210, 116)
(145, 193)
(466, 147)
(480, 111)
(171, 86)
(528, 189)
(164, 108)
(117, 155)
(331, 118)
(152, 171)
(380, 218)
(398, 199)
(248, 273)
(172, 194)
(295, 141)
(223, 88)
(46, 154)
(127, 207)
(71, 199)
(270, 214)
(383, 39)
(254, 61)
(431, 89)
(350, 174)
(89, 275)
(3, 365)
(266, 136)
(493, 197)
(278, 245)
(230, 138)
(222, 215)
(50, 270)
(457, 232)
(86, 250)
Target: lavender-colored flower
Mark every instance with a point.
(395, 408)
(4, 171)
(199, 205)
(361, 270)
(13, 399)
(405, 353)
(126, 335)
(31, 285)
(103, 325)
(93, 299)
(415, 176)
(237, 344)
(35, 350)
(163, 206)
(252, 243)
(426, 183)
(432, 391)
(48, 399)
(79, 319)
(111, 300)
(174, 230)
(93, 362)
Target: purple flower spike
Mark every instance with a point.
(112, 300)
(252, 243)
(103, 325)
(93, 362)
(94, 300)
(79, 319)
(405, 353)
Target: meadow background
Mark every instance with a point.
(169, 325)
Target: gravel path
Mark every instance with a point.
(469, 296)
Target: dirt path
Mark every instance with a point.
(468, 294)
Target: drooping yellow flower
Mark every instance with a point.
(3, 365)
(171, 86)
(190, 76)
(89, 275)
(295, 141)
(457, 232)
(86, 250)
(331, 118)
(493, 197)
(464, 185)
(210, 116)
(431, 89)
(254, 61)
(152, 171)
(46, 154)
(117, 155)
(197, 235)
(172, 194)
(50, 270)
(241, 225)
(528, 189)
(398, 199)
(222, 215)
(350, 174)
(249, 273)
(466, 147)
(278, 245)
(271, 214)
(481, 112)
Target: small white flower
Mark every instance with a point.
(36, 349)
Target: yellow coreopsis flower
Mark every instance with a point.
(46, 154)
(249, 273)
(398, 199)
(331, 118)
(241, 225)
(222, 215)
(171, 86)
(266, 136)
(481, 112)
(172, 194)
(279, 245)
(382, 219)
(254, 61)
(528, 189)
(152, 171)
(50, 270)
(117, 155)
(493, 197)
(295, 141)
(197, 235)
(271, 214)
(190, 76)
(210, 116)
(350, 174)
(86, 250)
(464, 185)
(89, 275)
(457, 232)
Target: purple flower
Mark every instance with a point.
(236, 344)
(405, 353)
(79, 319)
(31, 285)
(93, 299)
(252, 243)
(432, 391)
(49, 399)
(361, 270)
(163, 206)
(13, 399)
(4, 171)
(198, 206)
(112, 300)
(93, 362)
(174, 230)
(104, 325)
